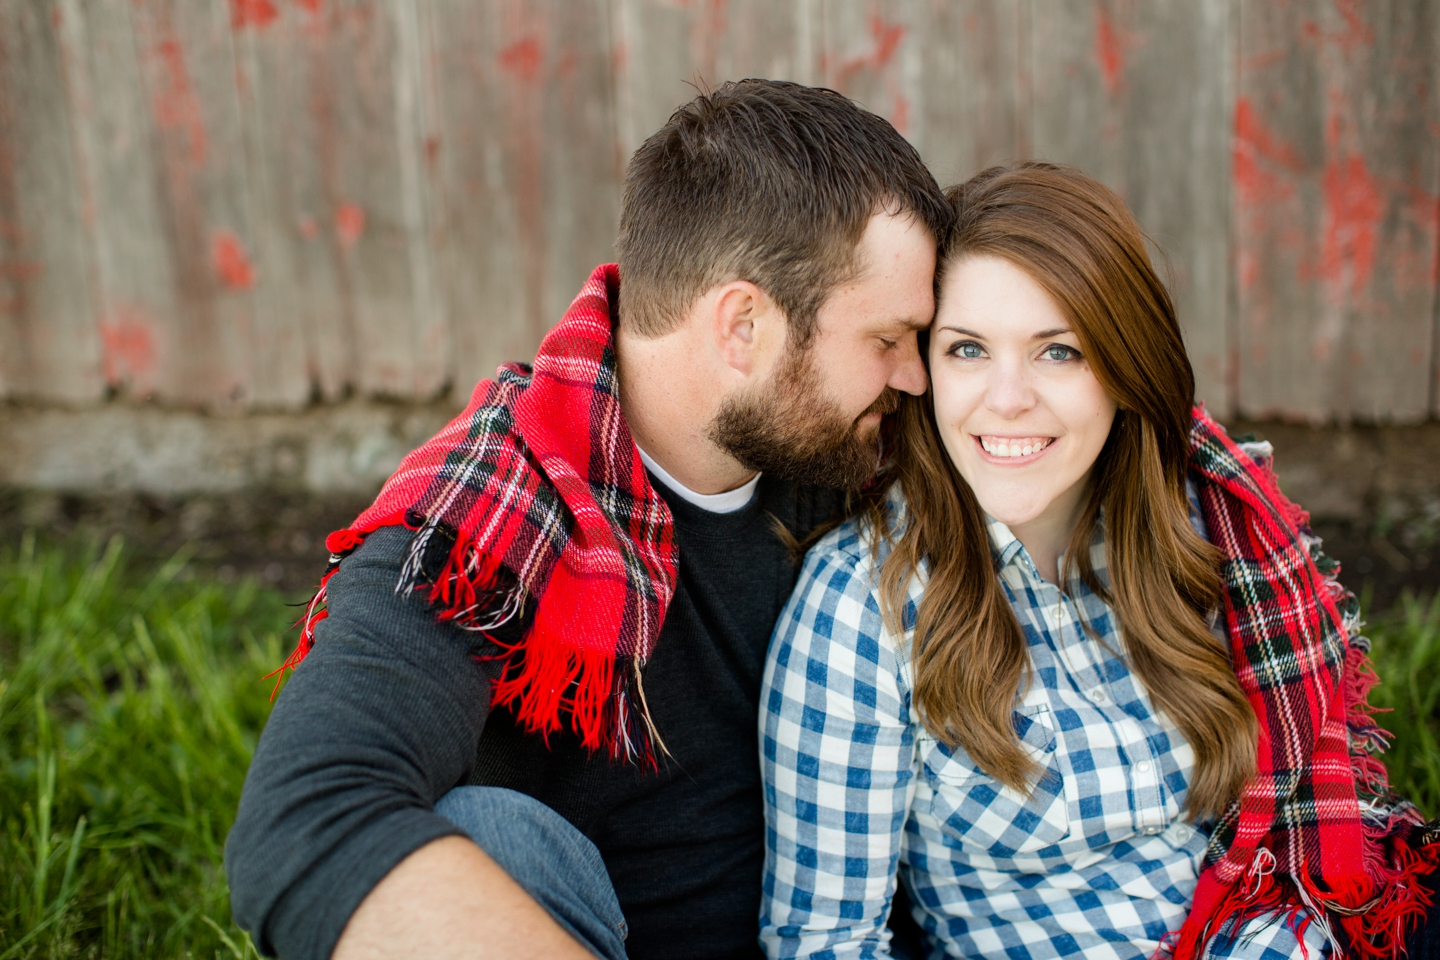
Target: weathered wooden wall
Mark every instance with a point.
(255, 204)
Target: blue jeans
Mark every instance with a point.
(548, 857)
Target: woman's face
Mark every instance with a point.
(1019, 409)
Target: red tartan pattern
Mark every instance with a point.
(536, 493)
(1317, 827)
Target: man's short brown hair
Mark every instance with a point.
(765, 181)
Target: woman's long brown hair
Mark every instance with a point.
(1080, 243)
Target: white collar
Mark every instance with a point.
(727, 502)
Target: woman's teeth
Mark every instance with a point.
(1000, 447)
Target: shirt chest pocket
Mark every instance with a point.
(977, 812)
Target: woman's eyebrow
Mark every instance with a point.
(1051, 333)
(963, 332)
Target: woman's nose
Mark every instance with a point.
(1009, 392)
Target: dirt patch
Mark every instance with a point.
(275, 537)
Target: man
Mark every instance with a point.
(527, 724)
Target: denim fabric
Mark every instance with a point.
(547, 856)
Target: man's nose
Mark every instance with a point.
(909, 373)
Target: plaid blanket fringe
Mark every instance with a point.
(1317, 829)
(534, 501)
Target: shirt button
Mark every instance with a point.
(1182, 833)
(1143, 766)
(1152, 830)
(1097, 695)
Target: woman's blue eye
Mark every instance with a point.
(970, 351)
(1059, 352)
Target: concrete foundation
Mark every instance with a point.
(256, 493)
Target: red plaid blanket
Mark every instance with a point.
(535, 496)
(1317, 828)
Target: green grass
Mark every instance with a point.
(129, 709)
(130, 703)
(1406, 656)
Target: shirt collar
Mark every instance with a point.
(1005, 544)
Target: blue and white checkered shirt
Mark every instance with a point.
(1098, 863)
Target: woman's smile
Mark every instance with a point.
(1012, 451)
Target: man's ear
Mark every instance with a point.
(740, 322)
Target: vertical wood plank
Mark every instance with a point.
(526, 166)
(665, 52)
(134, 277)
(335, 113)
(166, 111)
(969, 60)
(49, 344)
(1136, 95)
(1335, 197)
(946, 74)
(872, 54)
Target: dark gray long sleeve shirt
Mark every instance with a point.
(391, 710)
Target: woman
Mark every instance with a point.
(1074, 677)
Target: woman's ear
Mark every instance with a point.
(742, 322)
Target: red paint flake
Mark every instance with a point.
(1355, 34)
(176, 105)
(21, 269)
(1254, 182)
(311, 7)
(230, 262)
(308, 228)
(887, 37)
(900, 117)
(523, 58)
(432, 151)
(1353, 206)
(349, 223)
(1112, 43)
(1108, 51)
(127, 346)
(252, 13)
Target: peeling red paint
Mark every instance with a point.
(1254, 181)
(176, 105)
(252, 13)
(1353, 205)
(349, 223)
(311, 7)
(432, 151)
(523, 58)
(1355, 34)
(887, 38)
(1108, 51)
(21, 269)
(900, 116)
(1112, 43)
(127, 346)
(230, 261)
(308, 228)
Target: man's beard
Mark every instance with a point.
(791, 430)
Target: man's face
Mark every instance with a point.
(817, 418)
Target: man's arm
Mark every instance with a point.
(380, 720)
(449, 900)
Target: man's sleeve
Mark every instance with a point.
(379, 721)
